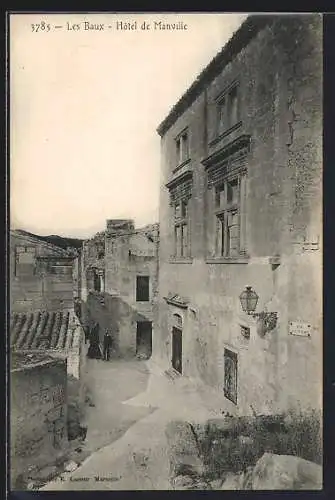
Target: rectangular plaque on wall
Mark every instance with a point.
(300, 329)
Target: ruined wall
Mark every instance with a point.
(76, 354)
(279, 75)
(38, 414)
(128, 254)
(43, 289)
(77, 277)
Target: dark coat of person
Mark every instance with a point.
(94, 350)
(107, 345)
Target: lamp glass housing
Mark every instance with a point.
(249, 299)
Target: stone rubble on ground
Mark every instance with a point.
(182, 482)
(286, 472)
(275, 472)
(70, 466)
(271, 472)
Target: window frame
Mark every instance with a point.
(181, 221)
(182, 141)
(224, 120)
(221, 114)
(231, 393)
(221, 215)
(138, 278)
(245, 332)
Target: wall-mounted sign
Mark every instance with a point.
(300, 328)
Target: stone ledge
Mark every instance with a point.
(226, 260)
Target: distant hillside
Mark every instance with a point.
(54, 239)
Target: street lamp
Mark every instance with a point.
(249, 299)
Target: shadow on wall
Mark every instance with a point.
(75, 410)
(131, 331)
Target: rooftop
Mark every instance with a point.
(23, 359)
(240, 39)
(68, 252)
(41, 330)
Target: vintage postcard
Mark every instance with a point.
(165, 251)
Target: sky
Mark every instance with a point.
(84, 109)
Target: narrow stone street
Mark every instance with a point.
(126, 427)
(111, 383)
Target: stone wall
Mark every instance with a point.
(280, 77)
(76, 354)
(42, 289)
(114, 313)
(128, 253)
(38, 420)
(77, 276)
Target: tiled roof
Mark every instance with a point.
(41, 330)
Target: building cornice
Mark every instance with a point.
(240, 39)
(241, 144)
(183, 176)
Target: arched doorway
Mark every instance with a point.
(177, 343)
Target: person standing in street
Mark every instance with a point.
(94, 350)
(107, 345)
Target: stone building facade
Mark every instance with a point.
(241, 205)
(42, 275)
(44, 280)
(120, 272)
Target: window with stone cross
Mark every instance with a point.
(181, 229)
(227, 218)
(182, 147)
